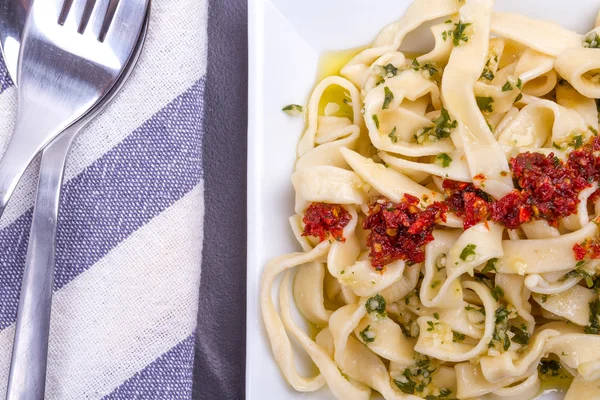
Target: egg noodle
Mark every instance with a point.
(447, 210)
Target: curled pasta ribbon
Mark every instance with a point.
(391, 37)
(335, 130)
(458, 169)
(486, 239)
(327, 184)
(581, 68)
(339, 386)
(542, 123)
(538, 256)
(581, 389)
(568, 97)
(485, 156)
(572, 304)
(398, 115)
(437, 342)
(545, 37)
(280, 343)
(538, 283)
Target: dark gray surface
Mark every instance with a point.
(219, 367)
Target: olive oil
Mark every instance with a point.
(330, 64)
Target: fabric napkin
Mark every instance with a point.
(130, 231)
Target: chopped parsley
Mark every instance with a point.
(431, 68)
(376, 120)
(576, 142)
(501, 328)
(444, 160)
(490, 266)
(485, 103)
(442, 128)
(457, 337)
(444, 392)
(377, 305)
(521, 335)
(497, 293)
(434, 284)
(292, 109)
(390, 70)
(392, 135)
(457, 34)
(519, 84)
(431, 325)
(468, 251)
(507, 87)
(436, 315)
(389, 96)
(580, 273)
(591, 41)
(594, 326)
(367, 335)
(550, 368)
(417, 377)
(519, 97)
(487, 74)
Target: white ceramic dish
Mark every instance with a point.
(285, 40)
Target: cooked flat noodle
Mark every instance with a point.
(447, 207)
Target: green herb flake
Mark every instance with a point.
(521, 336)
(576, 142)
(497, 293)
(594, 326)
(434, 284)
(485, 103)
(367, 335)
(436, 315)
(468, 251)
(544, 298)
(392, 135)
(293, 109)
(389, 96)
(458, 34)
(444, 393)
(431, 325)
(376, 304)
(376, 120)
(444, 160)
(507, 87)
(487, 74)
(390, 70)
(519, 97)
(519, 84)
(490, 266)
(591, 41)
(457, 337)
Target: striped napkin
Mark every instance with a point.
(130, 232)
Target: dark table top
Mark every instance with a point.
(219, 365)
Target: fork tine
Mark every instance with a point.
(87, 13)
(64, 13)
(108, 18)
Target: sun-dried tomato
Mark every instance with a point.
(589, 249)
(400, 231)
(322, 220)
(546, 187)
(468, 202)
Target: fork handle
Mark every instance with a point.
(27, 376)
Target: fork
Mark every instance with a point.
(28, 367)
(72, 53)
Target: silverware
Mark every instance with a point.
(12, 22)
(67, 64)
(28, 367)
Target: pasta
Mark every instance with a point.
(447, 208)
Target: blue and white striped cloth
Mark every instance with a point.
(130, 233)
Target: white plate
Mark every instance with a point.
(286, 38)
